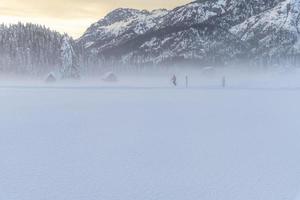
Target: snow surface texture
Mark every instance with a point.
(149, 143)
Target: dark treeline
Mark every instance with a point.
(29, 49)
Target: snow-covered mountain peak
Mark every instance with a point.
(122, 14)
(159, 12)
(196, 12)
(121, 24)
(273, 32)
(204, 30)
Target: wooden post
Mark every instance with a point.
(186, 81)
(224, 82)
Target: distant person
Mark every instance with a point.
(174, 80)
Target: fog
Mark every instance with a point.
(129, 143)
(236, 77)
(140, 137)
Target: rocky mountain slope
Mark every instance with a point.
(204, 31)
(273, 33)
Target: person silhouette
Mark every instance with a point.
(174, 80)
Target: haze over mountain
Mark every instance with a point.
(201, 33)
(213, 32)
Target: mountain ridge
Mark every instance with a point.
(183, 33)
(216, 33)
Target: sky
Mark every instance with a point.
(71, 16)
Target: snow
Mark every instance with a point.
(283, 17)
(142, 22)
(149, 143)
(89, 44)
(67, 54)
(197, 11)
(117, 27)
(159, 12)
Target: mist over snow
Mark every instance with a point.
(149, 143)
(137, 136)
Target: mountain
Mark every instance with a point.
(201, 32)
(273, 34)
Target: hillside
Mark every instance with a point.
(205, 32)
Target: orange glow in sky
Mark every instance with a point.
(71, 16)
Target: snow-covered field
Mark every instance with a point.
(149, 143)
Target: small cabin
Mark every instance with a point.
(50, 78)
(110, 77)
